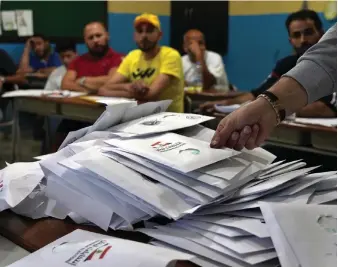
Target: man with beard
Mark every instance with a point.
(88, 72)
(38, 57)
(150, 73)
(304, 29)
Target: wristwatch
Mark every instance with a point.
(82, 81)
(274, 102)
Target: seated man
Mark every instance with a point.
(202, 67)
(305, 29)
(150, 73)
(8, 76)
(38, 57)
(88, 72)
(67, 52)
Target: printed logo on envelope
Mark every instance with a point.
(96, 250)
(1, 185)
(164, 146)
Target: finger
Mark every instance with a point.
(251, 143)
(217, 141)
(243, 137)
(232, 141)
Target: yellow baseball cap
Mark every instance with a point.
(148, 18)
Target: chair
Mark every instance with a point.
(8, 113)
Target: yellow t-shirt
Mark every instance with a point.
(167, 61)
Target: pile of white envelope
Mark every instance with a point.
(139, 162)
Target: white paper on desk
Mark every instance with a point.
(214, 228)
(249, 225)
(176, 239)
(285, 253)
(24, 93)
(145, 109)
(159, 123)
(205, 188)
(273, 182)
(17, 181)
(314, 225)
(90, 249)
(322, 197)
(111, 116)
(175, 184)
(328, 122)
(305, 182)
(249, 249)
(272, 165)
(300, 197)
(327, 184)
(24, 21)
(173, 150)
(109, 100)
(8, 20)
(73, 136)
(126, 200)
(162, 199)
(128, 212)
(226, 109)
(276, 169)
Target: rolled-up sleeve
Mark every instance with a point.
(316, 70)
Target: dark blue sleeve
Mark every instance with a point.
(34, 62)
(56, 62)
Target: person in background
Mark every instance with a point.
(202, 67)
(150, 73)
(88, 72)
(305, 29)
(67, 53)
(38, 58)
(313, 77)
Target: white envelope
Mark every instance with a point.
(173, 150)
(226, 245)
(314, 225)
(322, 197)
(161, 198)
(252, 226)
(94, 250)
(159, 123)
(188, 245)
(145, 109)
(17, 181)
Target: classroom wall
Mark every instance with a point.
(257, 35)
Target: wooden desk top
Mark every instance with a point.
(302, 127)
(69, 100)
(32, 235)
(211, 95)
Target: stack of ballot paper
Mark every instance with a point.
(138, 163)
(241, 231)
(82, 248)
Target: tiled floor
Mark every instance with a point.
(9, 252)
(29, 148)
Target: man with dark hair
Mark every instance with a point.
(93, 69)
(305, 29)
(38, 57)
(67, 53)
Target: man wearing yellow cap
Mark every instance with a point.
(150, 73)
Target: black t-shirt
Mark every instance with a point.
(282, 67)
(7, 68)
